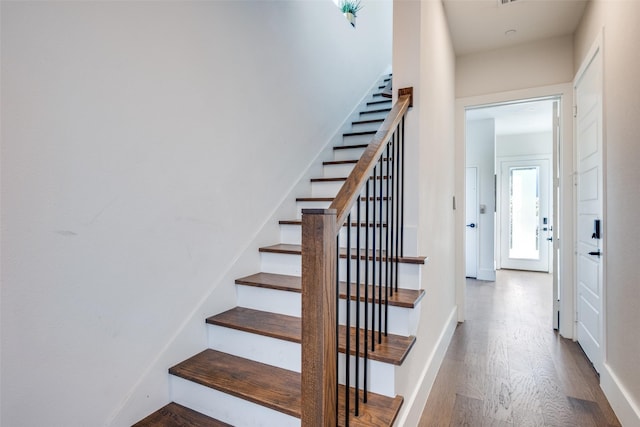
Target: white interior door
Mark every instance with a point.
(471, 218)
(590, 225)
(525, 220)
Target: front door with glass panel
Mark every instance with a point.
(525, 221)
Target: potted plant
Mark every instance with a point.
(350, 8)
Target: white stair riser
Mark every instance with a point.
(326, 188)
(270, 300)
(339, 170)
(380, 376)
(263, 349)
(331, 188)
(324, 205)
(372, 116)
(362, 127)
(291, 234)
(342, 170)
(409, 275)
(380, 103)
(286, 355)
(357, 139)
(348, 154)
(402, 321)
(227, 408)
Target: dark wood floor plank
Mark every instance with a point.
(439, 408)
(465, 411)
(509, 358)
(175, 415)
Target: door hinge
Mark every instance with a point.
(575, 111)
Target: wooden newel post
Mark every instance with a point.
(319, 399)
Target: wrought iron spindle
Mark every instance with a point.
(365, 390)
(401, 159)
(373, 260)
(380, 196)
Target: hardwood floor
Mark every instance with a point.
(506, 366)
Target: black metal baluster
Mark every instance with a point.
(396, 161)
(357, 350)
(401, 159)
(392, 196)
(386, 250)
(366, 296)
(380, 196)
(337, 322)
(373, 261)
(348, 322)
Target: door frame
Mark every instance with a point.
(566, 210)
(595, 49)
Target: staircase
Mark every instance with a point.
(250, 373)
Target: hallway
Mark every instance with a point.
(506, 366)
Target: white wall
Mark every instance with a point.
(424, 58)
(524, 144)
(620, 377)
(144, 145)
(534, 64)
(480, 152)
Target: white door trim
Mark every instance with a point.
(565, 92)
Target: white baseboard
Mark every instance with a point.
(414, 404)
(627, 411)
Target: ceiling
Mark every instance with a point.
(517, 117)
(480, 25)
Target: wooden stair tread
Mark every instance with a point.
(382, 101)
(331, 199)
(272, 387)
(363, 122)
(358, 133)
(175, 415)
(343, 178)
(380, 110)
(285, 248)
(349, 147)
(393, 348)
(407, 298)
(340, 162)
(266, 385)
(353, 224)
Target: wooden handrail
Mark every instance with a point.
(320, 232)
(350, 191)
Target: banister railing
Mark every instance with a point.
(377, 180)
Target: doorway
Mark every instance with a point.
(516, 143)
